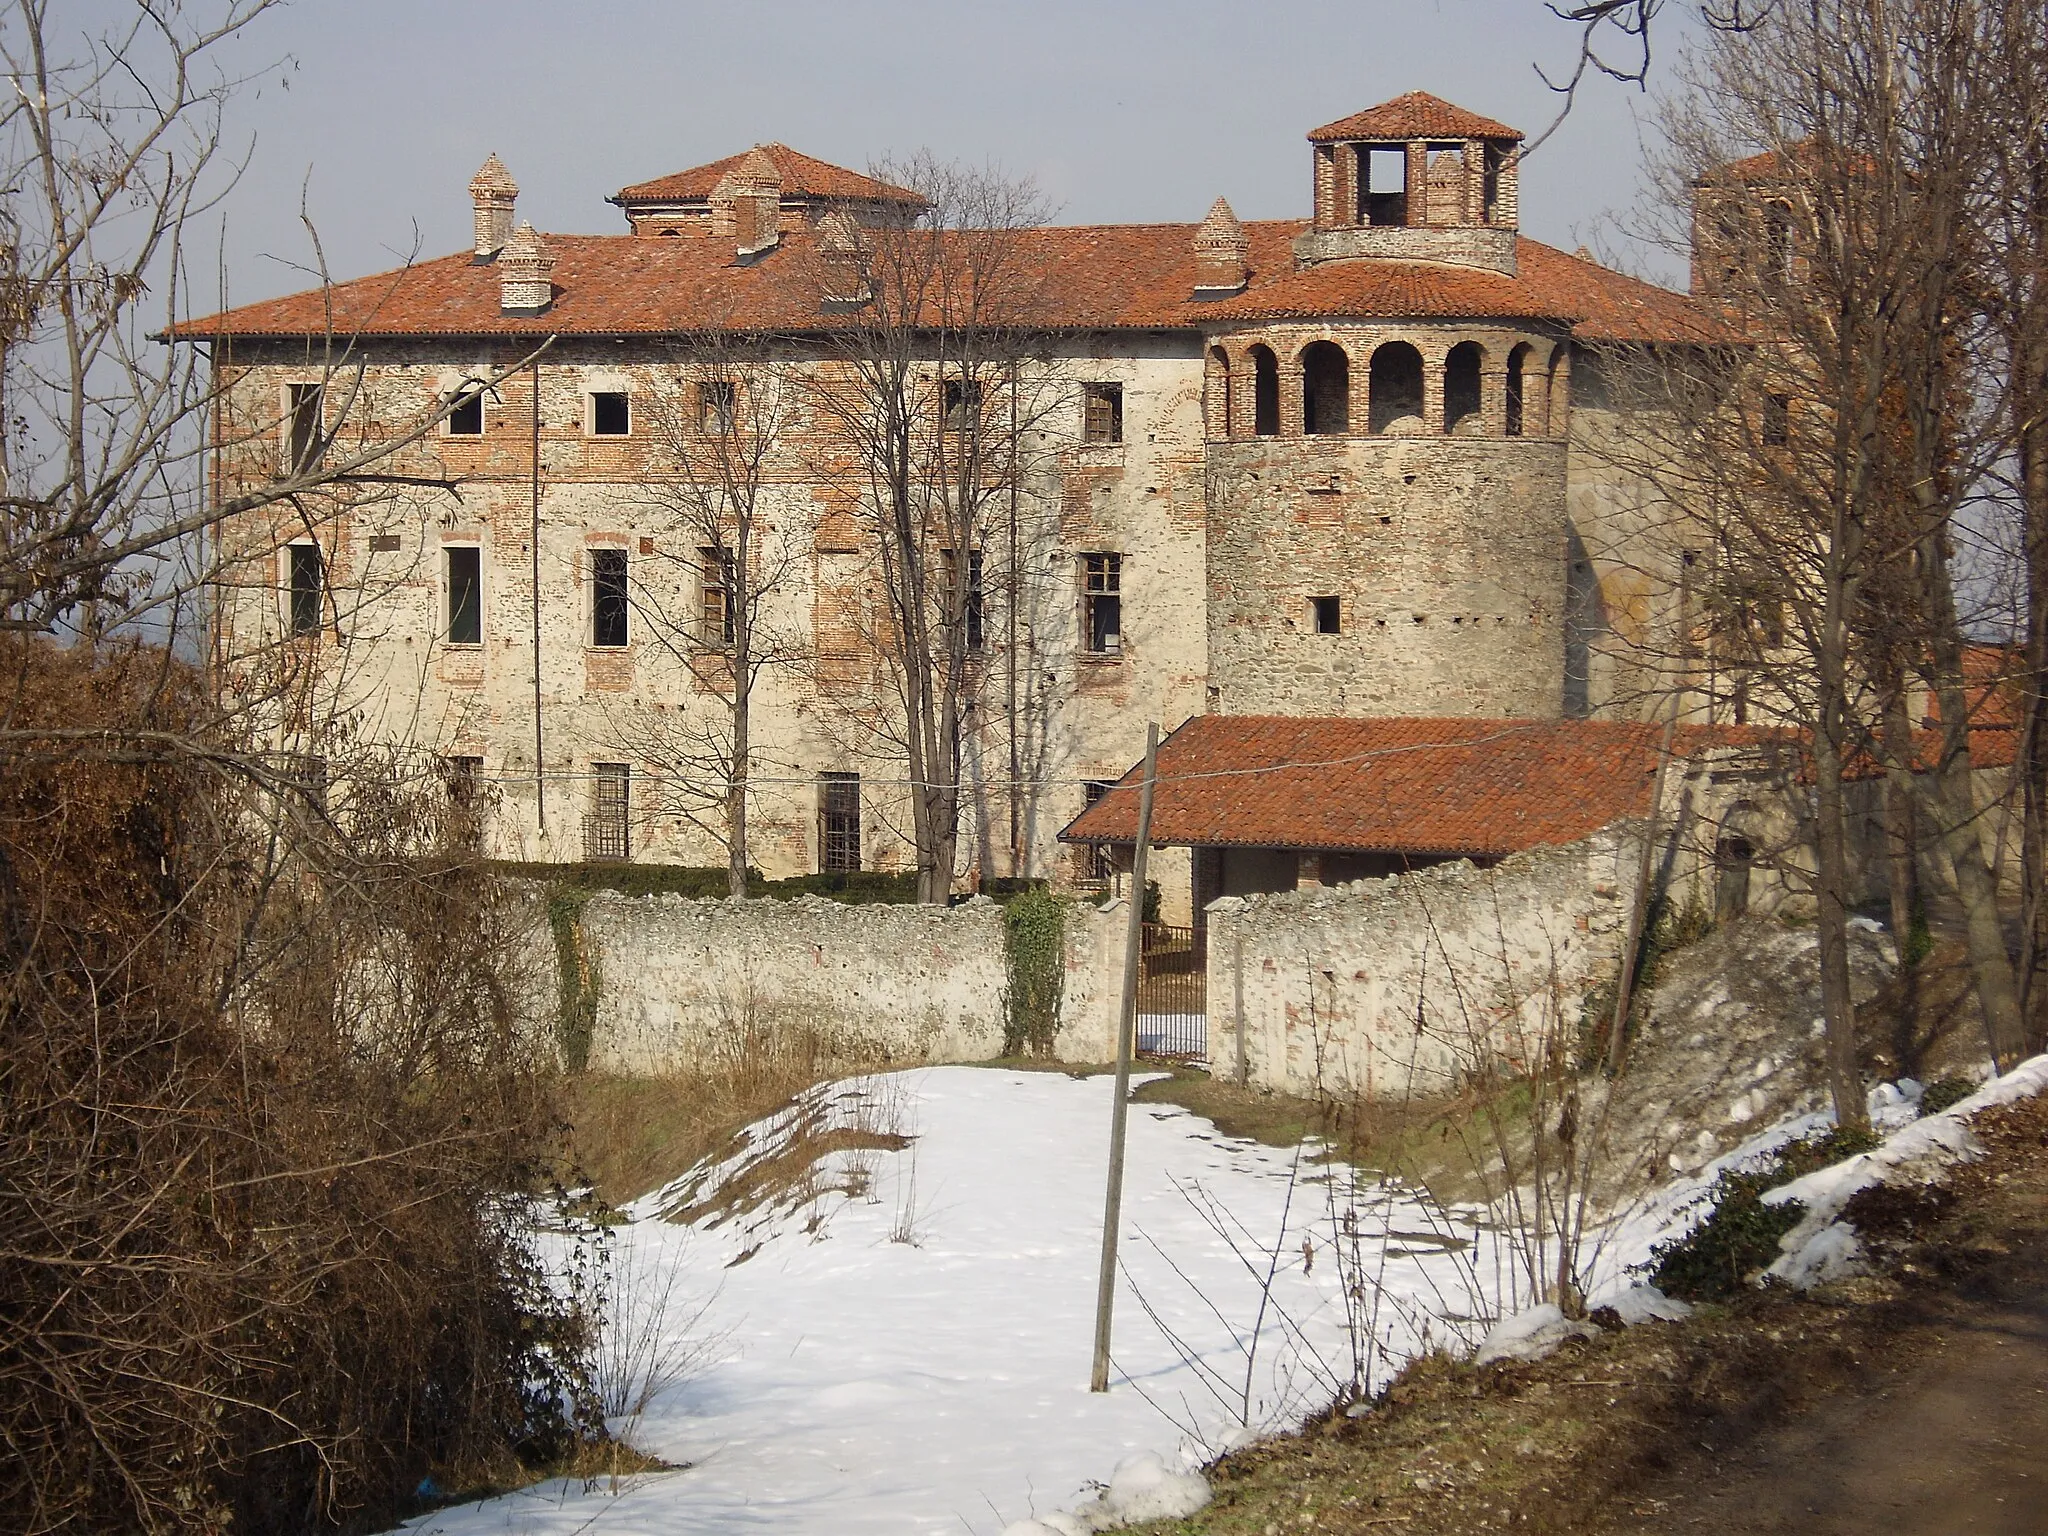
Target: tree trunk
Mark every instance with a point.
(1902, 840)
(1838, 1004)
(736, 780)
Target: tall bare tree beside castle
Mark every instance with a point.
(933, 393)
(720, 420)
(1828, 173)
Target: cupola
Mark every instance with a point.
(1415, 179)
(494, 193)
(525, 273)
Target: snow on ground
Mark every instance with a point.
(862, 1382)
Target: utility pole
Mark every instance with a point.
(1126, 1030)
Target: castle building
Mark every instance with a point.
(1333, 467)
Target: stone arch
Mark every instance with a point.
(1265, 391)
(1325, 390)
(1462, 391)
(1557, 390)
(1518, 389)
(1394, 391)
(1219, 402)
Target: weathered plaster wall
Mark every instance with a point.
(1386, 987)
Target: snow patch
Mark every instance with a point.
(1531, 1335)
(1641, 1304)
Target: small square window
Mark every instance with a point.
(609, 414)
(467, 419)
(1777, 420)
(1102, 413)
(961, 401)
(1329, 613)
(716, 399)
(608, 598)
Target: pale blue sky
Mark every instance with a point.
(1122, 113)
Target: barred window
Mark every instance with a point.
(838, 823)
(607, 830)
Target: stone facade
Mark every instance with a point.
(1287, 536)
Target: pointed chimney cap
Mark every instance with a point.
(1221, 227)
(527, 245)
(492, 179)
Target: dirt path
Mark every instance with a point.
(1952, 1439)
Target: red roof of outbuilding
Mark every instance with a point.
(1441, 787)
(1417, 115)
(802, 176)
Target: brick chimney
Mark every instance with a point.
(1220, 251)
(525, 274)
(494, 192)
(839, 247)
(755, 187)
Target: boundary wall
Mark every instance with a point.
(1381, 988)
(683, 980)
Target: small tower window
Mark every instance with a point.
(302, 427)
(1517, 389)
(716, 399)
(465, 595)
(608, 597)
(1102, 604)
(1777, 420)
(305, 574)
(961, 402)
(1383, 184)
(1395, 389)
(1461, 389)
(1329, 615)
(1325, 390)
(715, 573)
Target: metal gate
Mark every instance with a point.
(1173, 981)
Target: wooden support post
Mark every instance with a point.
(1126, 1032)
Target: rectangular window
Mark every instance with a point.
(1095, 861)
(607, 831)
(608, 597)
(838, 823)
(716, 400)
(1329, 613)
(1777, 420)
(609, 414)
(465, 595)
(467, 419)
(715, 575)
(305, 576)
(303, 427)
(1102, 604)
(1102, 413)
(962, 403)
(973, 611)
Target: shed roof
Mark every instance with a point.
(1438, 787)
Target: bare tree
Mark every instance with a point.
(721, 422)
(933, 393)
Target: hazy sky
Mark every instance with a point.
(1122, 112)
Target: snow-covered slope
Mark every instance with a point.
(867, 1383)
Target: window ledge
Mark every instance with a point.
(1102, 658)
(471, 647)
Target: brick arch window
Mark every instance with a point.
(1265, 391)
(1325, 390)
(1218, 381)
(1518, 389)
(1394, 390)
(1462, 370)
(1557, 390)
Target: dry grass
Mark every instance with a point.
(629, 1135)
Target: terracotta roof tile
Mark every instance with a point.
(1091, 277)
(1460, 788)
(801, 174)
(1417, 115)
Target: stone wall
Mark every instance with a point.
(682, 980)
(1385, 987)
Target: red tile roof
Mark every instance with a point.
(1457, 788)
(802, 176)
(1417, 115)
(1090, 277)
